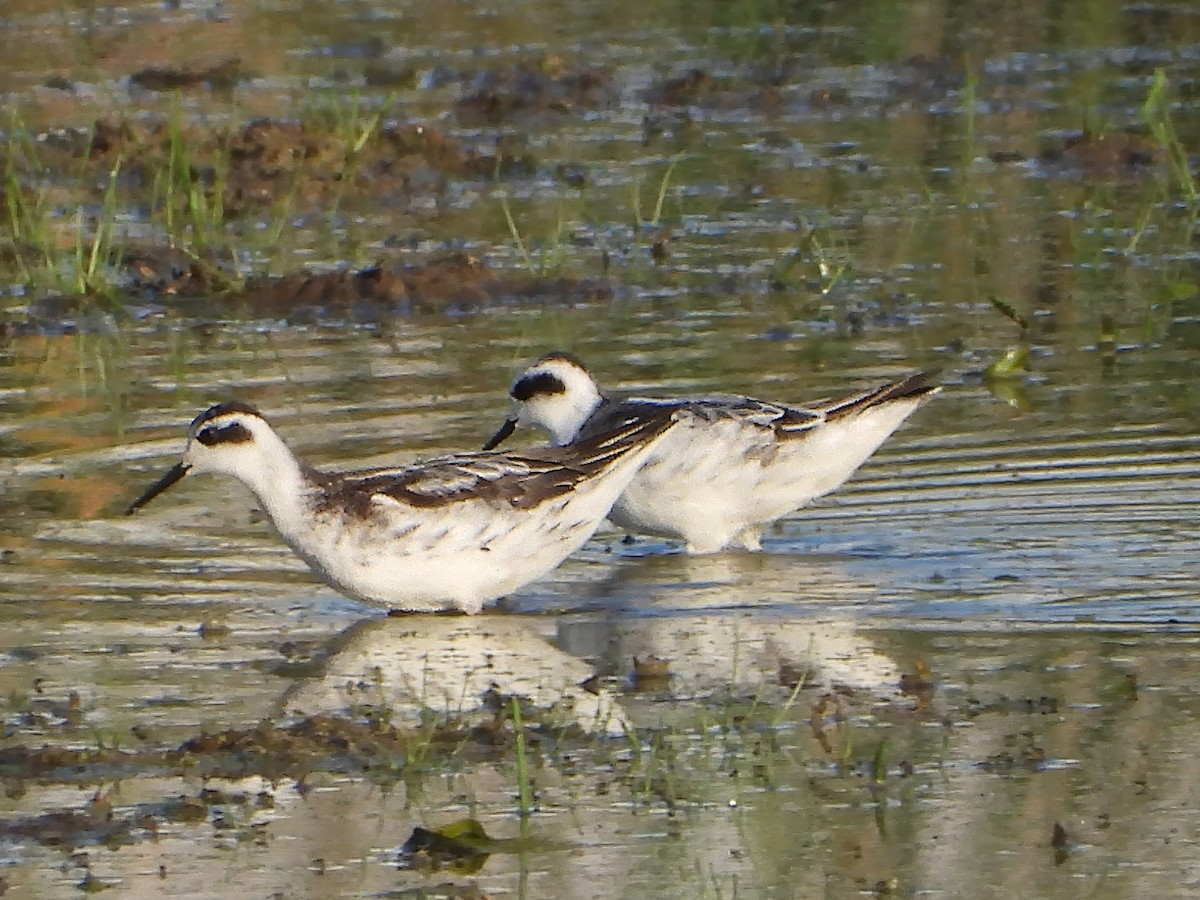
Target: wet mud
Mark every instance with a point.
(232, 176)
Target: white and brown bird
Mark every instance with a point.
(732, 465)
(448, 534)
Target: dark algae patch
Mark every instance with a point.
(323, 743)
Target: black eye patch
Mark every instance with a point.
(237, 433)
(535, 385)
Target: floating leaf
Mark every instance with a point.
(920, 679)
(1108, 331)
(462, 846)
(1010, 364)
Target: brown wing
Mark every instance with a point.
(783, 421)
(772, 417)
(917, 385)
(521, 479)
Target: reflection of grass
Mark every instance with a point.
(654, 220)
(815, 258)
(1156, 112)
(525, 792)
(967, 160)
(513, 230)
(104, 367)
(551, 256)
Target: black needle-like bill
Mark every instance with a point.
(176, 473)
(506, 429)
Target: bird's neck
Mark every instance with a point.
(282, 484)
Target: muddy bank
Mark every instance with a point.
(169, 283)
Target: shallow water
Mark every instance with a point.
(1030, 540)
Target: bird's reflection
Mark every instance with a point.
(728, 621)
(454, 666)
(734, 620)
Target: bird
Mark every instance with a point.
(732, 466)
(449, 534)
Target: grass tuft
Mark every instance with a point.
(1156, 113)
(525, 791)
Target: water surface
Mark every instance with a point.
(1026, 542)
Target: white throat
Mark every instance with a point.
(562, 415)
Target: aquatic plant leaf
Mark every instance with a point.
(1010, 364)
(1181, 290)
(879, 763)
(462, 846)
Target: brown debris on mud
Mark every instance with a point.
(270, 159)
(1092, 155)
(317, 743)
(169, 271)
(222, 76)
(458, 284)
(534, 89)
(360, 741)
(98, 823)
(1101, 154)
